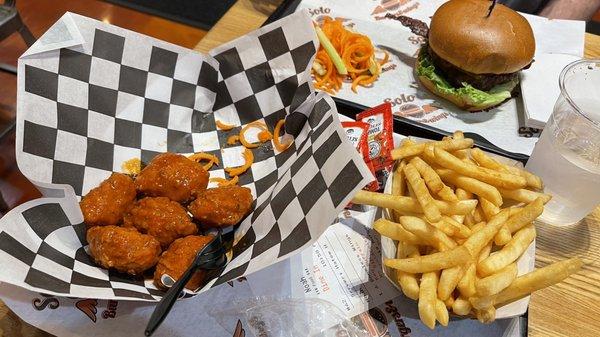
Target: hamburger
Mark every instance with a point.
(474, 53)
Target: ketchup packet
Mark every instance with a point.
(357, 133)
(380, 138)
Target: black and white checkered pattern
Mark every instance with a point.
(85, 110)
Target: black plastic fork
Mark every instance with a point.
(211, 257)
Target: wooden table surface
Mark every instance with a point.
(571, 308)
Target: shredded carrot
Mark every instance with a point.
(357, 53)
(386, 58)
(243, 140)
(233, 139)
(264, 136)
(236, 171)
(223, 126)
(278, 145)
(357, 80)
(224, 182)
(200, 156)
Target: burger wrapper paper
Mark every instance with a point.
(92, 96)
(504, 126)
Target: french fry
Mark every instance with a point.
(415, 181)
(427, 233)
(461, 306)
(428, 299)
(481, 238)
(441, 312)
(525, 216)
(478, 226)
(523, 195)
(410, 205)
(458, 135)
(508, 254)
(482, 302)
(448, 281)
(488, 208)
(398, 186)
(478, 214)
(461, 231)
(485, 252)
(444, 227)
(466, 285)
(472, 185)
(407, 281)
(531, 282)
(464, 195)
(487, 315)
(503, 236)
(449, 301)
(432, 262)
(513, 210)
(494, 178)
(432, 180)
(486, 161)
(448, 145)
(395, 231)
(533, 181)
(495, 283)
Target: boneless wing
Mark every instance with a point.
(177, 259)
(222, 206)
(123, 249)
(106, 204)
(173, 176)
(162, 218)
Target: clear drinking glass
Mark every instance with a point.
(567, 156)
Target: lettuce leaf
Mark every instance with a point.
(474, 98)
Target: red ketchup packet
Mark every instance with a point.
(380, 138)
(357, 133)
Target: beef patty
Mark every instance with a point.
(456, 76)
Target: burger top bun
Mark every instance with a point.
(462, 34)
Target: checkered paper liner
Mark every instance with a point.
(115, 95)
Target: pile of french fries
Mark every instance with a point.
(461, 220)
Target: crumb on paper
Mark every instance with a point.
(132, 166)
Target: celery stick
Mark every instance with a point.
(373, 66)
(333, 54)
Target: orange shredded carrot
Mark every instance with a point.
(357, 80)
(356, 51)
(231, 140)
(200, 156)
(224, 182)
(264, 136)
(386, 58)
(243, 140)
(278, 145)
(223, 126)
(236, 171)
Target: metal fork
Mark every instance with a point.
(211, 257)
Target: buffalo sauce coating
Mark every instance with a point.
(221, 206)
(173, 176)
(106, 204)
(160, 217)
(123, 249)
(177, 259)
